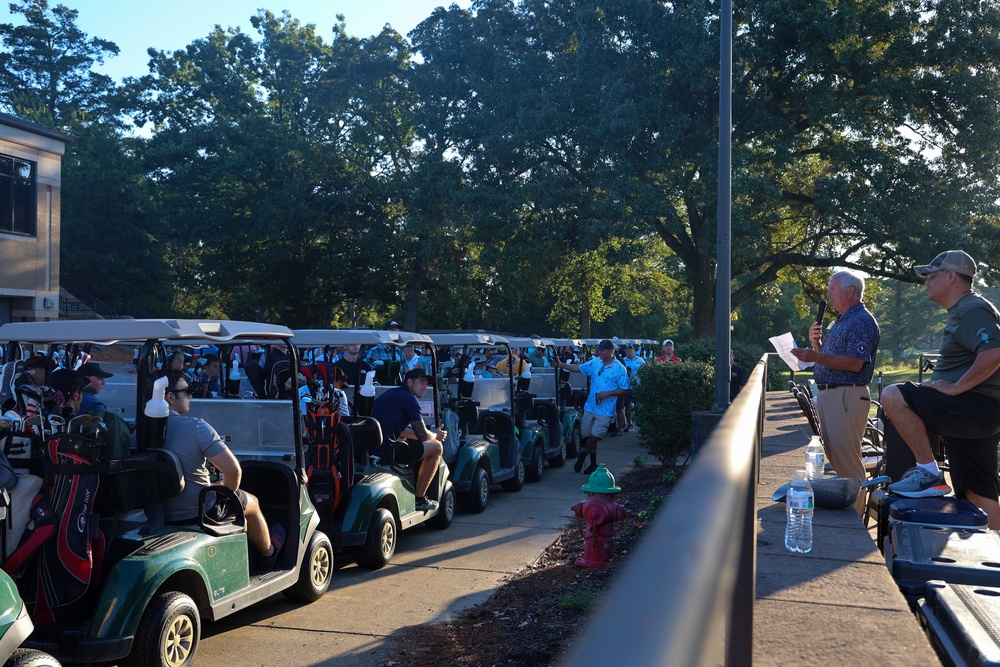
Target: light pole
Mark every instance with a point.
(723, 270)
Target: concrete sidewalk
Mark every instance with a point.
(838, 604)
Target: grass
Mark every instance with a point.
(890, 375)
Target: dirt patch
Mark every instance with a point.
(532, 618)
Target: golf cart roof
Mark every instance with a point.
(568, 342)
(467, 338)
(321, 337)
(114, 331)
(520, 341)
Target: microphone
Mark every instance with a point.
(822, 310)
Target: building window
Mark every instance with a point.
(17, 195)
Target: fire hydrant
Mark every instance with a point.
(600, 511)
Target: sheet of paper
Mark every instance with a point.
(783, 344)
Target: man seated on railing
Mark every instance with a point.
(961, 403)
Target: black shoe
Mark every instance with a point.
(277, 542)
(425, 505)
(578, 466)
(592, 468)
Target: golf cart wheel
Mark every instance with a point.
(559, 460)
(26, 657)
(316, 571)
(380, 544)
(477, 498)
(446, 509)
(517, 481)
(168, 633)
(573, 446)
(537, 465)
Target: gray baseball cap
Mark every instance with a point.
(949, 260)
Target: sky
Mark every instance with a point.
(169, 26)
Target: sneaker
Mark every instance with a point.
(630, 428)
(591, 469)
(918, 483)
(578, 466)
(425, 505)
(277, 542)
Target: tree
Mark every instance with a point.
(46, 67)
(860, 128)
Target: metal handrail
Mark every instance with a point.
(692, 581)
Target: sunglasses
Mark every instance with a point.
(180, 392)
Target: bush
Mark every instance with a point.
(747, 356)
(667, 395)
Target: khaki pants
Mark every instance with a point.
(843, 413)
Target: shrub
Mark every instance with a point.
(747, 356)
(667, 395)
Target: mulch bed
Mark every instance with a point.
(533, 617)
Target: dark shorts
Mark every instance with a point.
(970, 426)
(405, 452)
(217, 508)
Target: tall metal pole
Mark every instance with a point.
(724, 250)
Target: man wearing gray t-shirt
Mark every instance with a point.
(194, 442)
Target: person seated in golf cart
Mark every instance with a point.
(398, 413)
(513, 364)
(195, 442)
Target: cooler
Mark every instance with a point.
(935, 511)
(917, 553)
(961, 622)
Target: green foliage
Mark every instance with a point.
(667, 395)
(581, 600)
(747, 356)
(670, 477)
(655, 503)
(638, 462)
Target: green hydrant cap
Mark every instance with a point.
(601, 481)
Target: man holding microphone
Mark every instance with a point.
(845, 363)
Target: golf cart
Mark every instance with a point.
(363, 500)
(573, 387)
(127, 587)
(536, 412)
(482, 447)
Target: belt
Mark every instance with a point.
(823, 387)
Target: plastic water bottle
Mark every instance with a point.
(799, 508)
(815, 459)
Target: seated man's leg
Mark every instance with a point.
(908, 423)
(257, 531)
(430, 457)
(973, 474)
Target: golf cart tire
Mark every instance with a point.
(28, 657)
(559, 460)
(573, 446)
(316, 571)
(446, 510)
(168, 634)
(516, 482)
(380, 544)
(537, 465)
(476, 498)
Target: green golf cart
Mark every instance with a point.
(141, 587)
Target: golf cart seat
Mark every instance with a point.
(524, 404)
(366, 437)
(545, 412)
(497, 426)
(142, 481)
(468, 414)
(388, 373)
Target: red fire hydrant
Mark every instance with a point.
(600, 511)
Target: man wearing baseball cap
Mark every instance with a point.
(608, 381)
(398, 413)
(97, 377)
(668, 352)
(961, 402)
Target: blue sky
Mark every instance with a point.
(136, 26)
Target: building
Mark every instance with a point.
(30, 177)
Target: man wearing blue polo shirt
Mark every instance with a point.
(398, 413)
(608, 381)
(845, 362)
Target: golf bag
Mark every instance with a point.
(8, 373)
(61, 551)
(329, 462)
